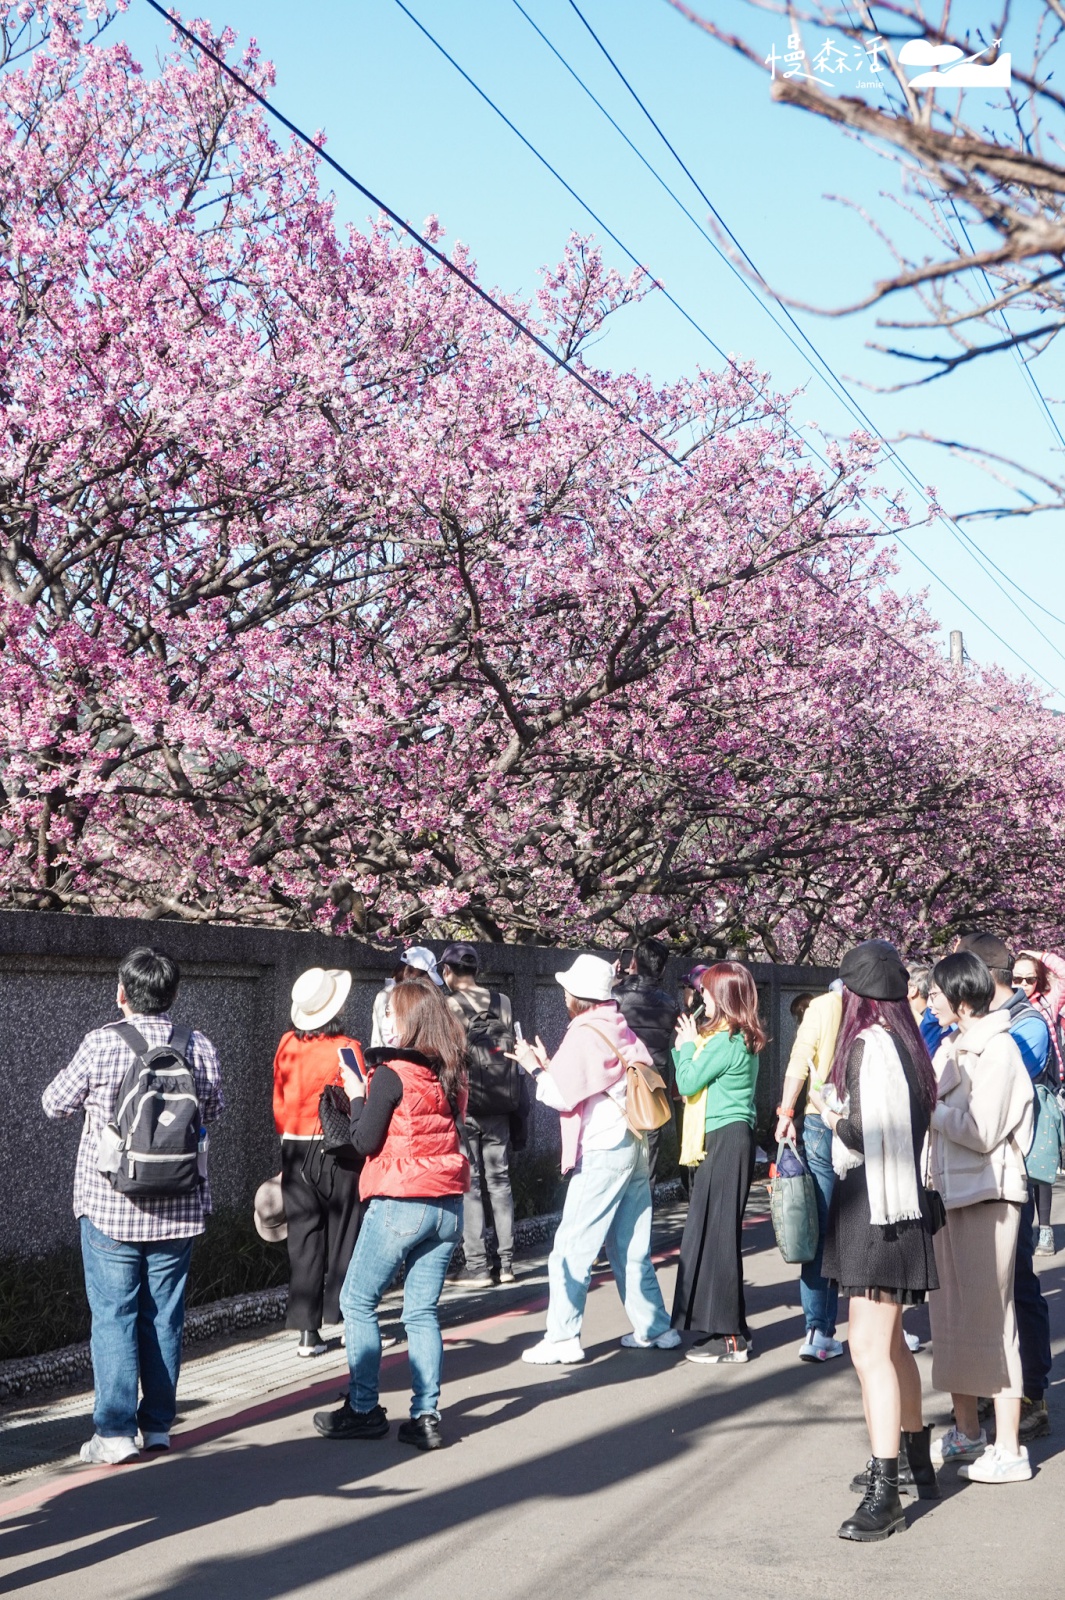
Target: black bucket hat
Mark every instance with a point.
(875, 970)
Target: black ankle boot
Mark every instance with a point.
(880, 1513)
(918, 1448)
(860, 1481)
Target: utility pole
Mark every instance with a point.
(957, 648)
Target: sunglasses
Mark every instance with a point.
(1025, 980)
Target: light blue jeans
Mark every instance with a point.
(422, 1234)
(136, 1293)
(818, 1296)
(608, 1202)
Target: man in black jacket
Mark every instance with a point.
(652, 1015)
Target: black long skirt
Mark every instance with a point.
(709, 1293)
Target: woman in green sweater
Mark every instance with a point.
(724, 1062)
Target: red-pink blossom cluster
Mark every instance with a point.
(324, 599)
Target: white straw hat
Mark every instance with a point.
(317, 995)
(589, 978)
(421, 958)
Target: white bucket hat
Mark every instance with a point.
(271, 1223)
(421, 958)
(589, 978)
(318, 994)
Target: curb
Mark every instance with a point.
(63, 1369)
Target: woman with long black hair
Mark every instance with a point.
(412, 1182)
(878, 1248)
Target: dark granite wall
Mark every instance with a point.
(57, 980)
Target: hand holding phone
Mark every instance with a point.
(351, 1073)
(349, 1059)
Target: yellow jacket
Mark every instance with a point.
(815, 1042)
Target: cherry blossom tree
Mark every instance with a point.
(326, 600)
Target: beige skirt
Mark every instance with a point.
(975, 1349)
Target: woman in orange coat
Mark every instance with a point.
(321, 1199)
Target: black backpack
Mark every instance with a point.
(495, 1082)
(153, 1136)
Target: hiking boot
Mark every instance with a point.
(348, 1424)
(995, 1466)
(101, 1452)
(554, 1353)
(422, 1432)
(1035, 1420)
(665, 1341)
(819, 1347)
(880, 1513)
(311, 1343)
(1044, 1244)
(956, 1447)
(723, 1348)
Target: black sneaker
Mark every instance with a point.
(727, 1347)
(311, 1343)
(349, 1424)
(422, 1432)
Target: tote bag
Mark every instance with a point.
(1044, 1157)
(793, 1205)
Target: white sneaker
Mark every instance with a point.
(554, 1353)
(155, 1441)
(819, 1347)
(101, 1452)
(665, 1341)
(913, 1341)
(995, 1466)
(955, 1446)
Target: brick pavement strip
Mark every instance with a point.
(634, 1474)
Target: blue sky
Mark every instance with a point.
(404, 121)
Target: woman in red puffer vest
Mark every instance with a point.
(406, 1125)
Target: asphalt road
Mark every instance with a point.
(636, 1474)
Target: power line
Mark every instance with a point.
(508, 316)
(973, 550)
(483, 95)
(439, 255)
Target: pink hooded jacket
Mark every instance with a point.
(587, 1064)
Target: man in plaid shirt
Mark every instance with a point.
(135, 1249)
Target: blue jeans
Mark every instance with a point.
(137, 1298)
(608, 1202)
(819, 1297)
(422, 1234)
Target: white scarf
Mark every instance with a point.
(890, 1172)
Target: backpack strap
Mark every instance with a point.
(506, 1014)
(180, 1039)
(133, 1037)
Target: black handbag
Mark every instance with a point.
(334, 1114)
(937, 1211)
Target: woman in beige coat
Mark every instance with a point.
(981, 1130)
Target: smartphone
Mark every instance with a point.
(351, 1061)
(697, 1013)
(517, 1031)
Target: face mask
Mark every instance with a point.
(388, 1031)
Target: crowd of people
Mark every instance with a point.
(914, 1093)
